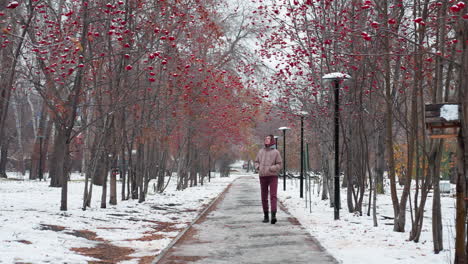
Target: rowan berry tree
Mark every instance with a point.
(140, 88)
(401, 55)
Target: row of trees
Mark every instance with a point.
(156, 87)
(401, 55)
(150, 87)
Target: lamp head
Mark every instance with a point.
(336, 76)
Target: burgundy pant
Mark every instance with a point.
(272, 182)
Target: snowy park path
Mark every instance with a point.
(232, 232)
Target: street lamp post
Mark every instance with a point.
(209, 167)
(336, 78)
(40, 173)
(284, 155)
(301, 185)
(276, 141)
(301, 177)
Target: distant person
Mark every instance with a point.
(268, 164)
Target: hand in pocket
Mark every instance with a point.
(272, 169)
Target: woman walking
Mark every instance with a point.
(268, 164)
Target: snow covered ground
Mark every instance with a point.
(34, 230)
(354, 240)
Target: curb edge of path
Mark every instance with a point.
(211, 205)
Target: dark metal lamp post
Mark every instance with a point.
(209, 167)
(40, 169)
(302, 114)
(336, 78)
(284, 155)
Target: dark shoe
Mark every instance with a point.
(266, 218)
(273, 218)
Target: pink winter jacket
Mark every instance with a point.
(268, 162)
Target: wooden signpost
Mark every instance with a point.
(442, 120)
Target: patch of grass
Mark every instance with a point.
(90, 235)
(106, 253)
(24, 241)
(55, 228)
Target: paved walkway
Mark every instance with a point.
(233, 232)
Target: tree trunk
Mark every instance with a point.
(60, 152)
(132, 181)
(105, 172)
(123, 169)
(45, 145)
(432, 173)
(17, 107)
(36, 153)
(35, 156)
(325, 178)
(4, 157)
(141, 172)
(58, 158)
(9, 57)
(193, 169)
(162, 170)
(331, 183)
(148, 168)
(462, 152)
(380, 162)
(437, 235)
(389, 122)
(324, 186)
(92, 170)
(389, 147)
(400, 217)
(100, 168)
(350, 186)
(460, 220)
(113, 183)
(453, 169)
(438, 95)
(5, 90)
(182, 170)
(374, 205)
(85, 193)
